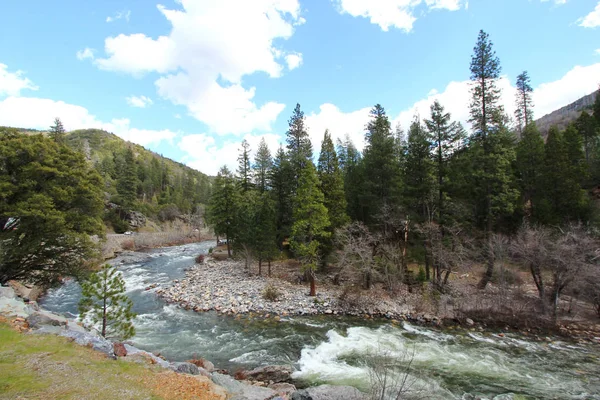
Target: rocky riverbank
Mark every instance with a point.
(262, 383)
(225, 287)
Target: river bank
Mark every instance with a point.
(224, 286)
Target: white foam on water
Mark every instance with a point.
(426, 332)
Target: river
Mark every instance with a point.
(444, 364)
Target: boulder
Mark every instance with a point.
(270, 373)
(185, 368)
(39, 318)
(136, 219)
(119, 349)
(469, 322)
(241, 391)
(89, 339)
(7, 292)
(11, 305)
(131, 350)
(329, 392)
(283, 389)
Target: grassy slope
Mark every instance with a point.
(51, 367)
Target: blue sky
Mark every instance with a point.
(191, 78)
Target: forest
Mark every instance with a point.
(437, 196)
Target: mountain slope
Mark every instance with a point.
(565, 115)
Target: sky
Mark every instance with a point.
(190, 79)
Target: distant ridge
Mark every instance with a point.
(565, 115)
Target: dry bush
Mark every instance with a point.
(271, 293)
(128, 245)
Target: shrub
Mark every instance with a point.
(270, 293)
(422, 276)
(200, 259)
(210, 250)
(128, 245)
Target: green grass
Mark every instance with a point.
(52, 367)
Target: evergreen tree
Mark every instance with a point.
(223, 205)
(51, 203)
(524, 102)
(298, 144)
(556, 163)
(493, 161)
(266, 231)
(332, 184)
(244, 169)
(104, 302)
(530, 170)
(57, 131)
(281, 181)
(310, 223)
(127, 180)
(380, 165)
(446, 137)
(418, 173)
(587, 127)
(263, 163)
(596, 108)
(354, 179)
(245, 221)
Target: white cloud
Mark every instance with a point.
(38, 113)
(547, 97)
(557, 2)
(598, 52)
(393, 13)
(293, 60)
(139, 101)
(592, 20)
(86, 53)
(125, 14)
(203, 153)
(206, 54)
(11, 83)
(339, 124)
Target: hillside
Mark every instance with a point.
(565, 115)
(165, 191)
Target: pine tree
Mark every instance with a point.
(223, 205)
(556, 163)
(587, 127)
(244, 169)
(310, 223)
(266, 231)
(493, 162)
(446, 137)
(380, 164)
(596, 108)
(127, 180)
(524, 102)
(281, 181)
(104, 302)
(353, 173)
(530, 168)
(418, 173)
(332, 184)
(57, 131)
(298, 144)
(263, 163)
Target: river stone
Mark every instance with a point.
(185, 368)
(119, 349)
(329, 392)
(89, 339)
(14, 307)
(39, 318)
(7, 292)
(241, 391)
(131, 350)
(270, 373)
(284, 389)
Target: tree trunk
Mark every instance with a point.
(269, 264)
(487, 276)
(259, 266)
(104, 313)
(313, 287)
(228, 246)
